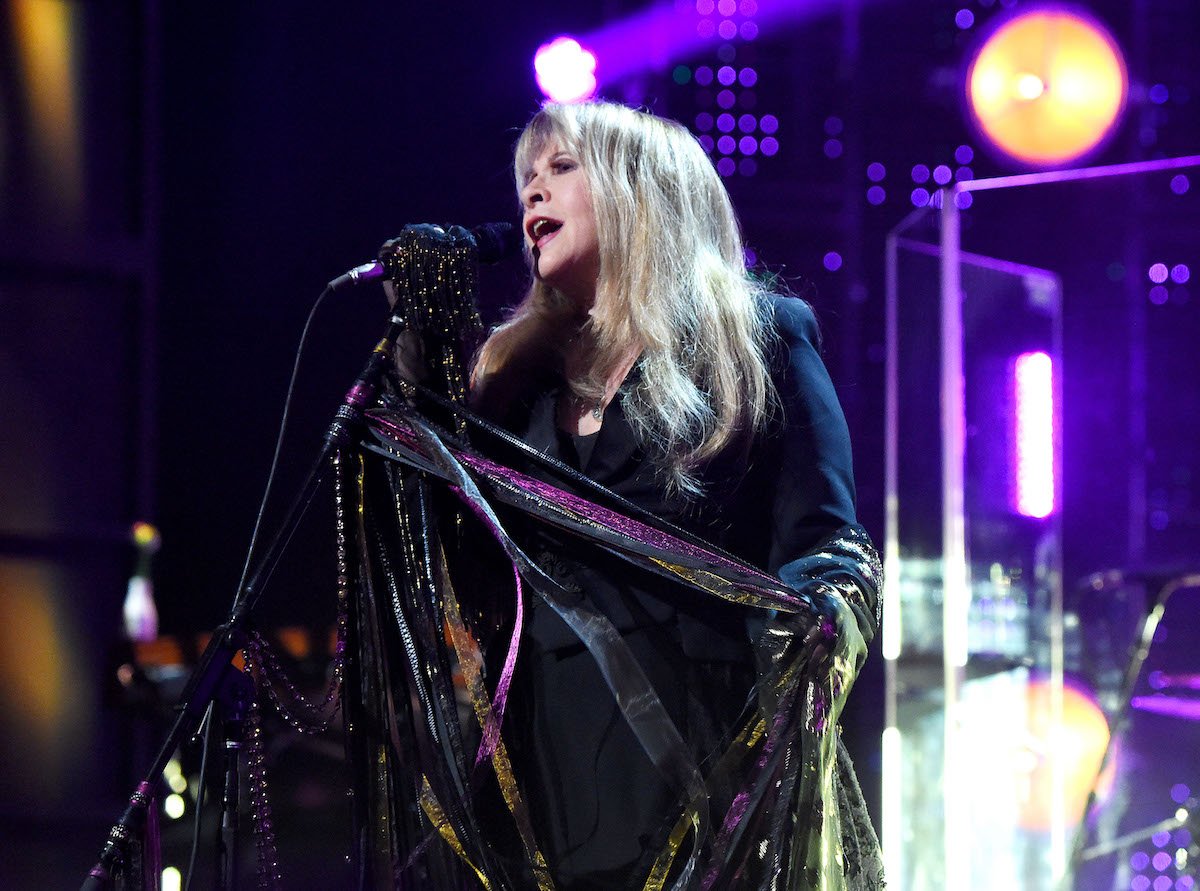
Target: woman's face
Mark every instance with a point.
(560, 226)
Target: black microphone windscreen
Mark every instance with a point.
(496, 241)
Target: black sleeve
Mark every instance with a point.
(813, 493)
(816, 544)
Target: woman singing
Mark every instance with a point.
(671, 709)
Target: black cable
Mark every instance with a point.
(287, 406)
(206, 729)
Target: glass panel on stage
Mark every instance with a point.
(1028, 321)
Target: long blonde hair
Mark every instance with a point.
(672, 281)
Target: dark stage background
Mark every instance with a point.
(174, 195)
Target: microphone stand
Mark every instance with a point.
(215, 670)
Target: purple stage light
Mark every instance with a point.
(704, 122)
(833, 148)
(747, 123)
(1140, 883)
(1158, 295)
(727, 52)
(832, 261)
(919, 197)
(705, 7)
(964, 18)
(1180, 793)
(876, 172)
(748, 30)
(726, 99)
(565, 71)
(725, 122)
(748, 145)
(1180, 183)
(1185, 883)
(726, 145)
(1162, 859)
(726, 75)
(1180, 273)
(727, 29)
(1139, 860)
(834, 126)
(704, 75)
(876, 195)
(727, 7)
(1159, 94)
(1033, 378)
(941, 174)
(920, 174)
(748, 7)
(963, 200)
(705, 29)
(706, 143)
(769, 145)
(726, 167)
(769, 124)
(1160, 839)
(751, 256)
(963, 173)
(747, 77)
(964, 154)
(1163, 883)
(1158, 273)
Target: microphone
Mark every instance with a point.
(493, 241)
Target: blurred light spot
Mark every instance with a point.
(1180, 273)
(832, 261)
(748, 145)
(727, 29)
(704, 75)
(963, 200)
(833, 126)
(705, 7)
(749, 7)
(1158, 273)
(962, 174)
(565, 71)
(1159, 519)
(726, 167)
(1159, 94)
(1180, 183)
(941, 174)
(769, 124)
(1160, 839)
(876, 195)
(919, 197)
(876, 172)
(964, 154)
(725, 122)
(726, 145)
(1140, 860)
(726, 75)
(749, 30)
(747, 123)
(1180, 793)
(681, 75)
(727, 52)
(1158, 295)
(1047, 86)
(964, 18)
(705, 28)
(1139, 883)
(727, 7)
(704, 121)
(172, 879)
(748, 77)
(920, 174)
(173, 806)
(833, 148)
(725, 99)
(706, 143)
(1033, 461)
(769, 145)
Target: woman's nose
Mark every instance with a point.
(534, 193)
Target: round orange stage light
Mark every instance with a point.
(1047, 86)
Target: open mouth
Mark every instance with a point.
(542, 228)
